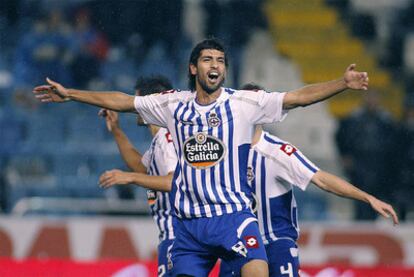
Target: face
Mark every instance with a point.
(210, 70)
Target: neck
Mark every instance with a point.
(205, 98)
(257, 134)
(153, 129)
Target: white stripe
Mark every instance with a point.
(258, 173)
(244, 224)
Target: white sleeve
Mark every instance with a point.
(169, 156)
(146, 159)
(299, 169)
(153, 108)
(267, 107)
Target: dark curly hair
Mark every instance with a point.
(211, 43)
(152, 84)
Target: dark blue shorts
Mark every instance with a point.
(199, 242)
(282, 258)
(164, 257)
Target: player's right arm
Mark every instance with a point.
(338, 186)
(117, 177)
(55, 92)
(128, 152)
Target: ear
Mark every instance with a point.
(193, 69)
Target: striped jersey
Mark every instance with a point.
(274, 167)
(161, 159)
(212, 144)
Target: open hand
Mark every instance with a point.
(355, 79)
(386, 210)
(53, 92)
(114, 177)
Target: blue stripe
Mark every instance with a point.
(311, 168)
(254, 162)
(222, 181)
(264, 197)
(269, 139)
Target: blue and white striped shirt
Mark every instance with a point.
(212, 145)
(161, 159)
(274, 167)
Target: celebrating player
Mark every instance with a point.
(159, 160)
(212, 129)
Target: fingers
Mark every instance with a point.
(103, 112)
(391, 211)
(44, 97)
(351, 67)
(50, 82)
(43, 88)
(108, 179)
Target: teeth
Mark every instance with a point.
(213, 74)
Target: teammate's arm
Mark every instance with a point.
(118, 177)
(55, 92)
(314, 93)
(338, 186)
(129, 153)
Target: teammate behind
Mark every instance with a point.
(159, 160)
(212, 129)
(274, 167)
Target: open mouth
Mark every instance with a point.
(213, 76)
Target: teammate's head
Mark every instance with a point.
(153, 84)
(252, 86)
(207, 66)
(149, 85)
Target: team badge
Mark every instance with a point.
(213, 120)
(250, 174)
(203, 151)
(288, 149)
(251, 242)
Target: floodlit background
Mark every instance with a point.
(52, 155)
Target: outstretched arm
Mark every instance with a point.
(338, 186)
(314, 93)
(118, 177)
(129, 153)
(55, 92)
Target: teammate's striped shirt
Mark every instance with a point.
(212, 143)
(161, 159)
(275, 166)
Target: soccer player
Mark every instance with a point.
(212, 128)
(274, 167)
(159, 160)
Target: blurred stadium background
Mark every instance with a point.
(56, 221)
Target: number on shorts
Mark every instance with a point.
(288, 270)
(161, 270)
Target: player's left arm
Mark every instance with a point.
(314, 93)
(338, 186)
(118, 177)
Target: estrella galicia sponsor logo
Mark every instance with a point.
(213, 120)
(203, 151)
